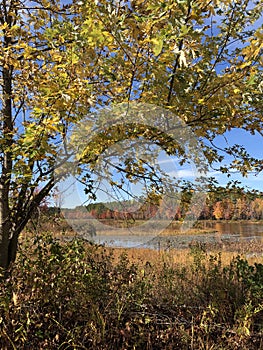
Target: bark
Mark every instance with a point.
(7, 129)
(7, 142)
(4, 230)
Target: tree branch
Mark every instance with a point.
(176, 65)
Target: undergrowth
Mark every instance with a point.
(77, 296)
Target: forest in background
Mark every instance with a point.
(220, 205)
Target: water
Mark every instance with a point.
(221, 233)
(244, 229)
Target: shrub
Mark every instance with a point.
(76, 295)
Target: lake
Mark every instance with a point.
(217, 233)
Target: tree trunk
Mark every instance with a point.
(12, 249)
(7, 128)
(6, 224)
(8, 245)
(4, 230)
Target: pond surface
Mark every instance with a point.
(244, 229)
(217, 234)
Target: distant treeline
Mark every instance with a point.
(220, 205)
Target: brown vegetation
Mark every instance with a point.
(80, 296)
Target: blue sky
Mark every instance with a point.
(254, 145)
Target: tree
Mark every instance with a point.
(256, 209)
(199, 59)
(242, 208)
(218, 211)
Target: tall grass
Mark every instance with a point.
(80, 296)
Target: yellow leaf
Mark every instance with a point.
(157, 45)
(15, 299)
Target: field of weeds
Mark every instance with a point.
(79, 296)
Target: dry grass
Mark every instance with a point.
(178, 257)
(74, 295)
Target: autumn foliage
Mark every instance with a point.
(61, 60)
(241, 207)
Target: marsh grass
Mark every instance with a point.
(60, 226)
(182, 256)
(76, 295)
